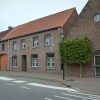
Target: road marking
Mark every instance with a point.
(48, 99)
(94, 96)
(63, 97)
(79, 96)
(51, 87)
(8, 83)
(90, 95)
(19, 81)
(6, 78)
(24, 87)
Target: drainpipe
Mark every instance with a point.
(8, 55)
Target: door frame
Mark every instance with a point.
(24, 63)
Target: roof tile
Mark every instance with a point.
(48, 22)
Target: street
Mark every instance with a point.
(28, 89)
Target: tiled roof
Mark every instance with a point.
(48, 22)
(4, 33)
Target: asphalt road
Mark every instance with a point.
(27, 89)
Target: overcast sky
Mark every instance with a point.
(16, 12)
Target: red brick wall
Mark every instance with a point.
(85, 26)
(41, 51)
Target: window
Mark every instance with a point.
(50, 60)
(97, 58)
(3, 47)
(36, 42)
(14, 61)
(34, 60)
(14, 45)
(47, 40)
(96, 17)
(97, 63)
(23, 45)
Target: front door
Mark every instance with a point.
(24, 63)
(4, 62)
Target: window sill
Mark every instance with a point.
(14, 67)
(15, 50)
(23, 48)
(35, 47)
(49, 68)
(96, 65)
(34, 67)
(48, 45)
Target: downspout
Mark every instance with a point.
(8, 55)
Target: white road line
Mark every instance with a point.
(48, 99)
(94, 96)
(6, 78)
(19, 81)
(24, 87)
(63, 97)
(90, 95)
(79, 96)
(8, 84)
(51, 87)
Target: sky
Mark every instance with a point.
(17, 12)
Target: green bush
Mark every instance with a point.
(75, 51)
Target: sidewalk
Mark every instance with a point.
(83, 84)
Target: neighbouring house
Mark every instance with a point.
(88, 24)
(34, 46)
(3, 55)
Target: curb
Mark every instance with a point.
(53, 80)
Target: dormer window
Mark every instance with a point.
(48, 40)
(36, 42)
(96, 17)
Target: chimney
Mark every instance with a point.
(9, 28)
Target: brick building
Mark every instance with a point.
(3, 55)
(88, 24)
(34, 46)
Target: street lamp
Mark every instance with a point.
(62, 63)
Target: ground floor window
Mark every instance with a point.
(50, 60)
(34, 60)
(97, 63)
(14, 61)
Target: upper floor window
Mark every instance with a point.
(14, 45)
(3, 47)
(36, 42)
(34, 60)
(14, 61)
(48, 40)
(96, 17)
(23, 45)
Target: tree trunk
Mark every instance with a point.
(81, 70)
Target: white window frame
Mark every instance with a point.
(23, 44)
(34, 62)
(14, 45)
(14, 61)
(95, 60)
(51, 62)
(48, 41)
(35, 42)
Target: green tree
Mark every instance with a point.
(76, 51)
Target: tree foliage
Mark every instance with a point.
(75, 51)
